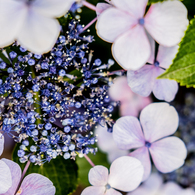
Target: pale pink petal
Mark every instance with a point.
(34, 184)
(38, 33)
(171, 188)
(150, 187)
(1, 143)
(158, 120)
(129, 108)
(94, 190)
(114, 154)
(132, 49)
(112, 23)
(142, 81)
(152, 43)
(15, 173)
(166, 55)
(142, 154)
(102, 7)
(166, 22)
(125, 173)
(188, 191)
(164, 89)
(168, 154)
(119, 90)
(52, 8)
(134, 7)
(107, 144)
(112, 192)
(5, 177)
(127, 133)
(98, 176)
(12, 16)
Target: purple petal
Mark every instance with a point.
(133, 7)
(132, 49)
(34, 184)
(164, 89)
(5, 178)
(93, 190)
(112, 23)
(15, 173)
(127, 133)
(166, 22)
(142, 81)
(1, 143)
(142, 154)
(166, 55)
(158, 120)
(125, 173)
(168, 154)
(98, 176)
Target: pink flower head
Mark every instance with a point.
(144, 80)
(107, 144)
(125, 174)
(1, 143)
(31, 23)
(32, 184)
(125, 25)
(154, 186)
(158, 120)
(130, 103)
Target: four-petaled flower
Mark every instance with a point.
(31, 22)
(125, 174)
(125, 25)
(158, 120)
(144, 80)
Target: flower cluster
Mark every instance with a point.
(51, 102)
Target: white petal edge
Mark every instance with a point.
(93, 190)
(125, 173)
(5, 177)
(167, 22)
(98, 176)
(1, 143)
(113, 23)
(132, 49)
(127, 133)
(158, 120)
(168, 154)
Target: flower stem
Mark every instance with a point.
(89, 160)
(91, 6)
(90, 23)
(23, 174)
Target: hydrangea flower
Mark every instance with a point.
(154, 186)
(32, 184)
(125, 25)
(125, 175)
(31, 23)
(107, 144)
(149, 137)
(130, 103)
(144, 80)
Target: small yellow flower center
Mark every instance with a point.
(19, 191)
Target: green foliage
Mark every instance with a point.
(63, 173)
(183, 68)
(84, 166)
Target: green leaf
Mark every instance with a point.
(84, 167)
(63, 173)
(183, 68)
